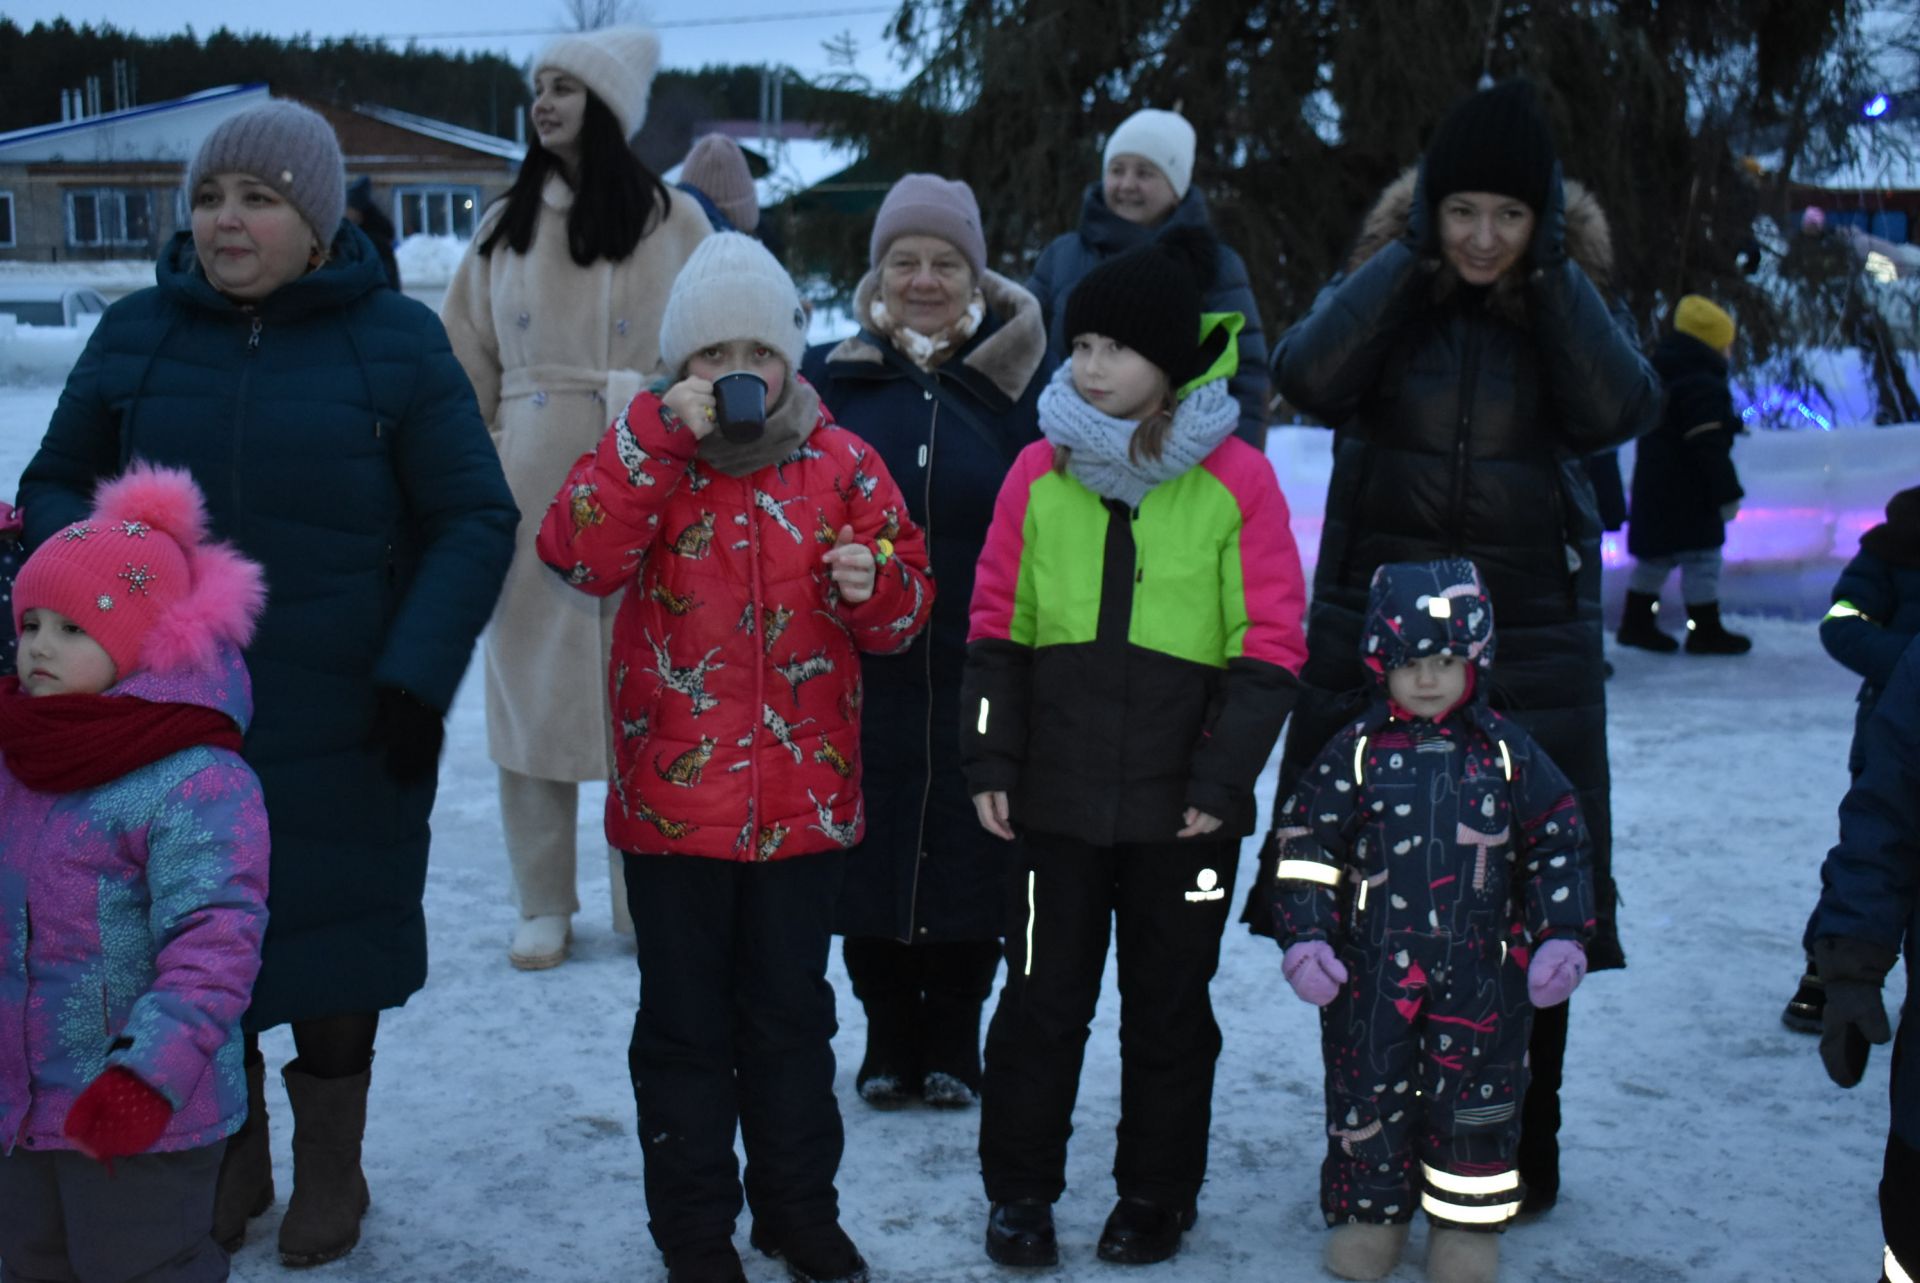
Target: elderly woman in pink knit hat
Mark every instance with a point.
(942, 379)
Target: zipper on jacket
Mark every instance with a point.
(925, 643)
(1120, 553)
(754, 590)
(1469, 377)
(239, 429)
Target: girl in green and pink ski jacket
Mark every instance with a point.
(1136, 622)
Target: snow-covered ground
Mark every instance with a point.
(1703, 1142)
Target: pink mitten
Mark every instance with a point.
(1557, 969)
(1315, 974)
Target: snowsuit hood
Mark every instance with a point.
(1417, 609)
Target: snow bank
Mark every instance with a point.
(428, 262)
(1836, 392)
(1810, 496)
(38, 355)
(113, 277)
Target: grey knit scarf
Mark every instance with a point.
(1098, 442)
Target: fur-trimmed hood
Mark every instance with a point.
(1008, 357)
(1589, 242)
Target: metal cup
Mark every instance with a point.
(740, 406)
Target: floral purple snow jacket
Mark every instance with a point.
(130, 925)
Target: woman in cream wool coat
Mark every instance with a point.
(555, 313)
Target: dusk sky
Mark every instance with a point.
(693, 33)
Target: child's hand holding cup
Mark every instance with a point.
(692, 401)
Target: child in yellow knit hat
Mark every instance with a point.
(1685, 489)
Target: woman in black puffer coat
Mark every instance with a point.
(1467, 362)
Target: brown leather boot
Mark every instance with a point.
(245, 1189)
(329, 1189)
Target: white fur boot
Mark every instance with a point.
(1365, 1250)
(1462, 1256)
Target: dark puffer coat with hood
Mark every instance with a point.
(1103, 234)
(338, 444)
(1461, 417)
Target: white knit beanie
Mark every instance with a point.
(616, 64)
(732, 288)
(1163, 138)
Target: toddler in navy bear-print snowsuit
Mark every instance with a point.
(1433, 888)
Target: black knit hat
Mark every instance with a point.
(1496, 141)
(1150, 299)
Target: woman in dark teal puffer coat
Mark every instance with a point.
(339, 445)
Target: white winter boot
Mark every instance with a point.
(540, 942)
(1365, 1250)
(1462, 1256)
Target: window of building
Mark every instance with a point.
(6, 220)
(99, 216)
(438, 211)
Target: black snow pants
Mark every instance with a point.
(735, 1028)
(1166, 905)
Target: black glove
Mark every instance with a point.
(409, 731)
(1548, 248)
(1420, 236)
(1852, 972)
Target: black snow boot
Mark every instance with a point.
(1806, 1010)
(1706, 635)
(329, 1189)
(1020, 1233)
(1139, 1232)
(886, 980)
(959, 979)
(1639, 625)
(714, 1262)
(814, 1253)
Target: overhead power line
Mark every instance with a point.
(743, 20)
